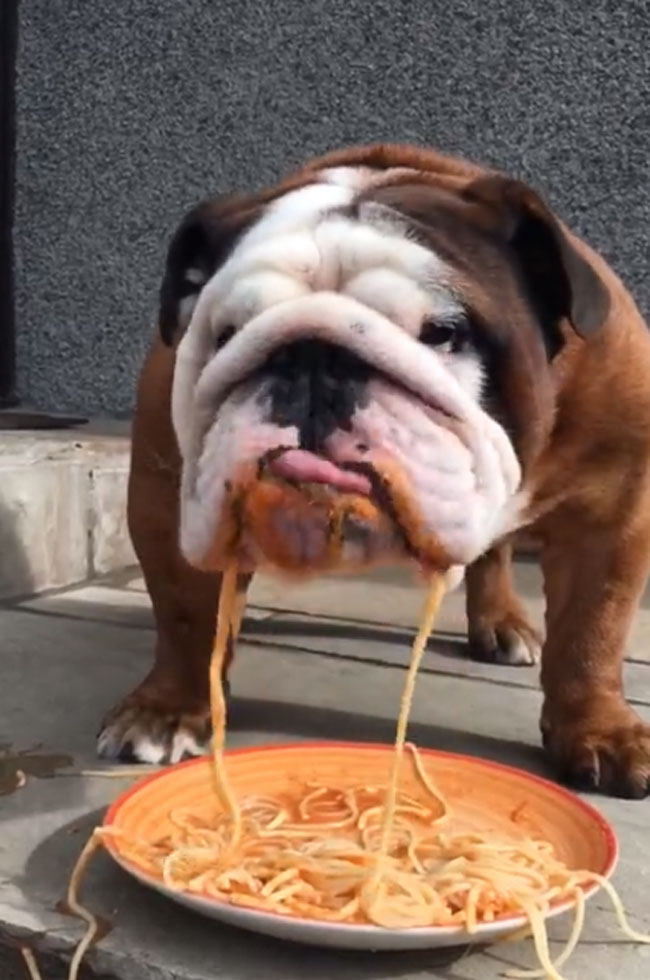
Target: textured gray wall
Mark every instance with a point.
(131, 110)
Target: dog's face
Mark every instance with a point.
(364, 366)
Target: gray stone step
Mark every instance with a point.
(62, 507)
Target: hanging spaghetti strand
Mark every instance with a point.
(225, 619)
(434, 599)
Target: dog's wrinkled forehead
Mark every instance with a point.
(323, 237)
(479, 234)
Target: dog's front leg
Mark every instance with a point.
(167, 716)
(594, 578)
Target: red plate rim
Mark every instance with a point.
(605, 827)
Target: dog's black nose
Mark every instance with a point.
(315, 386)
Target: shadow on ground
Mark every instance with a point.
(309, 722)
(332, 629)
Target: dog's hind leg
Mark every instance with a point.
(499, 630)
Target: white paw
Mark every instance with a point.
(513, 643)
(137, 733)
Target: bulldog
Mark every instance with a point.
(397, 356)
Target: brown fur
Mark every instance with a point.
(584, 439)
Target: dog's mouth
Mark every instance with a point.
(323, 392)
(300, 466)
(351, 501)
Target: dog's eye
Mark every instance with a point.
(445, 336)
(227, 333)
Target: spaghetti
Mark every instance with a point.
(358, 854)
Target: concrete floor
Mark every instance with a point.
(324, 660)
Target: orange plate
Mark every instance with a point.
(484, 797)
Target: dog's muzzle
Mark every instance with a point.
(323, 436)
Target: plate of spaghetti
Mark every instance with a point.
(360, 846)
(473, 849)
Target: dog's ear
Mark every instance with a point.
(200, 245)
(559, 280)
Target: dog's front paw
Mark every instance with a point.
(146, 729)
(600, 745)
(504, 638)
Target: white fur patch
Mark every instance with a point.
(516, 514)
(297, 209)
(184, 744)
(144, 749)
(394, 295)
(236, 436)
(360, 178)
(196, 276)
(186, 309)
(356, 178)
(467, 368)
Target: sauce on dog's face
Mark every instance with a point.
(364, 377)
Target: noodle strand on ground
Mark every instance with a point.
(571, 944)
(74, 905)
(30, 963)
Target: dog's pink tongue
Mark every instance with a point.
(306, 467)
